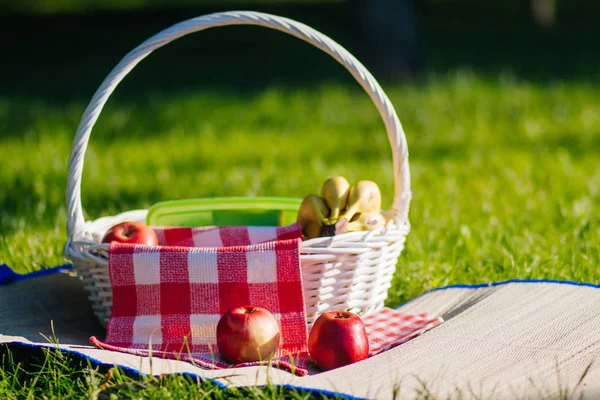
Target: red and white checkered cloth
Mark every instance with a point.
(168, 299)
(171, 297)
(225, 236)
(388, 328)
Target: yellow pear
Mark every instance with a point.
(367, 221)
(335, 193)
(312, 230)
(311, 215)
(363, 197)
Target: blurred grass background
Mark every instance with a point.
(502, 117)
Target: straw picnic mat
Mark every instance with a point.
(507, 340)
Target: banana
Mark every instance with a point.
(335, 193)
(312, 214)
(367, 221)
(363, 197)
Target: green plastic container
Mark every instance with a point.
(225, 211)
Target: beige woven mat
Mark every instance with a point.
(515, 340)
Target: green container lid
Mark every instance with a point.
(225, 211)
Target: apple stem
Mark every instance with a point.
(341, 316)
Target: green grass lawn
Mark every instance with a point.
(505, 172)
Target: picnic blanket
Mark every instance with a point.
(514, 339)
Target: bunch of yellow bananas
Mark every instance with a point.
(341, 208)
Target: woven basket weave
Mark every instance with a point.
(349, 271)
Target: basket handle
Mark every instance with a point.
(399, 210)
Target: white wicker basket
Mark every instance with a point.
(349, 271)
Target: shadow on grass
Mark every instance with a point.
(237, 59)
(65, 57)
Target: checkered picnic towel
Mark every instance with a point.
(388, 328)
(225, 236)
(168, 299)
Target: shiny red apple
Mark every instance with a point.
(247, 334)
(131, 232)
(338, 338)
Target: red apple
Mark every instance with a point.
(338, 338)
(247, 334)
(131, 232)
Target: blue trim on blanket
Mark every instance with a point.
(321, 391)
(75, 352)
(7, 275)
(190, 374)
(501, 283)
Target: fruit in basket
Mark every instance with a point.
(131, 232)
(312, 214)
(312, 230)
(363, 197)
(366, 221)
(341, 208)
(338, 227)
(335, 193)
(338, 338)
(247, 334)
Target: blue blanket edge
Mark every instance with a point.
(7, 275)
